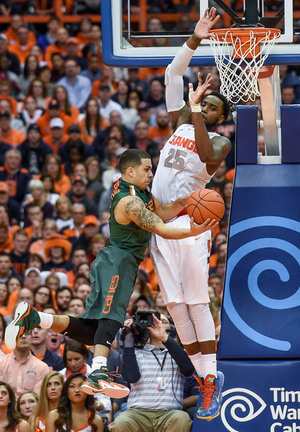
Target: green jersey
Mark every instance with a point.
(129, 237)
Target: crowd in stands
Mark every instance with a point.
(65, 119)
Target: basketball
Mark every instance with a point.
(204, 204)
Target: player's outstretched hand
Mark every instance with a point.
(206, 23)
(198, 229)
(196, 96)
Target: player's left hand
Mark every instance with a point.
(198, 229)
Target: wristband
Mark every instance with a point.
(196, 108)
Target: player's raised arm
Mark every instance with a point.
(178, 111)
(133, 209)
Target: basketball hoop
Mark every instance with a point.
(239, 54)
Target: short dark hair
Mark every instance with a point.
(226, 105)
(74, 346)
(132, 157)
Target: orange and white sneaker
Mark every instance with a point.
(100, 382)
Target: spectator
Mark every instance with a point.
(144, 112)
(63, 209)
(18, 366)
(156, 96)
(54, 167)
(78, 194)
(31, 113)
(77, 86)
(50, 393)
(74, 229)
(76, 307)
(8, 411)
(48, 183)
(8, 134)
(14, 175)
(11, 33)
(26, 404)
(109, 166)
(95, 46)
(288, 95)
(92, 122)
(14, 284)
(147, 405)
(13, 80)
(36, 189)
(48, 228)
(91, 228)
(93, 72)
(32, 278)
(25, 295)
(3, 150)
(141, 140)
(11, 206)
(136, 83)
(130, 112)
(8, 103)
(74, 401)
(49, 38)
(83, 291)
(61, 94)
(57, 251)
(107, 105)
(42, 297)
(59, 46)
(74, 53)
(94, 186)
(74, 359)
(57, 138)
(121, 96)
(160, 133)
(21, 48)
(30, 72)
(39, 92)
(84, 35)
(4, 296)
(107, 77)
(54, 340)
(98, 242)
(20, 255)
(58, 67)
(72, 146)
(40, 350)
(34, 150)
(6, 244)
(53, 111)
(63, 297)
(14, 64)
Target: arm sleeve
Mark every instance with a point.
(129, 368)
(174, 78)
(180, 356)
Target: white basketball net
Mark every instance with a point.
(238, 74)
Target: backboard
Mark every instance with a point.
(136, 33)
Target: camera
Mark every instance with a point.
(141, 320)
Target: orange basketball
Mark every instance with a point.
(204, 204)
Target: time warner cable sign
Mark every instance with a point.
(260, 396)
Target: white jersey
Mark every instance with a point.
(180, 170)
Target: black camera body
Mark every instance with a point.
(141, 320)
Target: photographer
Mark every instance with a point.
(156, 373)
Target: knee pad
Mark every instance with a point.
(203, 321)
(184, 326)
(106, 332)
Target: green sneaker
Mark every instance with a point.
(26, 318)
(100, 382)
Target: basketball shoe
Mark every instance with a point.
(99, 381)
(26, 318)
(212, 397)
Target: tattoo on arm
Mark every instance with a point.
(144, 218)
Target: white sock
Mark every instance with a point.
(98, 362)
(197, 363)
(46, 320)
(209, 365)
